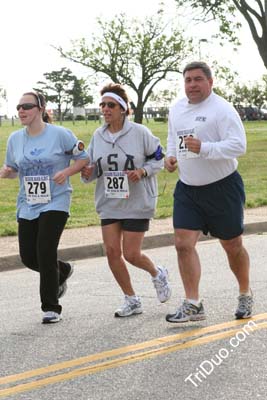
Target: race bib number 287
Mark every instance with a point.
(116, 184)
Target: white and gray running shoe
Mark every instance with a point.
(132, 305)
(244, 308)
(187, 312)
(63, 287)
(51, 317)
(162, 285)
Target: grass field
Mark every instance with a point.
(252, 166)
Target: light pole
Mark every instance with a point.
(199, 46)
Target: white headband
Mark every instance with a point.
(116, 97)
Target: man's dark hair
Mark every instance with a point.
(198, 65)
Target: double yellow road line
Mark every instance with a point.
(95, 363)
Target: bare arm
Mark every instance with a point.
(61, 176)
(8, 172)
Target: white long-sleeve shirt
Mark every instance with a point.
(218, 126)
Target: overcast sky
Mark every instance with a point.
(28, 29)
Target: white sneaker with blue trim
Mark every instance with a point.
(51, 317)
(162, 285)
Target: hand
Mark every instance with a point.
(170, 163)
(193, 144)
(7, 172)
(135, 175)
(60, 178)
(87, 171)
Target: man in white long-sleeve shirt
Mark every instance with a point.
(205, 137)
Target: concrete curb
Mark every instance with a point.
(12, 262)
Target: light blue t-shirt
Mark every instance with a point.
(41, 157)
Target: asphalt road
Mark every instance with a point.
(90, 355)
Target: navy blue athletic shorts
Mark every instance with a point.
(216, 208)
(131, 225)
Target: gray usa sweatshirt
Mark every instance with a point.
(134, 147)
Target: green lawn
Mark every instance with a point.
(252, 166)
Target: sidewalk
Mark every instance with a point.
(86, 242)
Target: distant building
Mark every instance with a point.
(79, 111)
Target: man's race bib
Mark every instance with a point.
(182, 151)
(37, 189)
(116, 184)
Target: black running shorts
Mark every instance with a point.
(132, 225)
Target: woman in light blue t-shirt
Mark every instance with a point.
(40, 154)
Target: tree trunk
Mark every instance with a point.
(139, 110)
(263, 50)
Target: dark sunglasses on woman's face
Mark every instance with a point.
(110, 104)
(26, 106)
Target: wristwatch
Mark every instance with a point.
(144, 172)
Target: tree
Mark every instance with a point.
(64, 89)
(264, 78)
(257, 95)
(3, 94)
(80, 93)
(254, 94)
(163, 97)
(225, 11)
(241, 95)
(135, 53)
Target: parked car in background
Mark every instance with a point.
(241, 111)
(263, 114)
(252, 113)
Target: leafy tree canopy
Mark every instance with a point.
(255, 94)
(135, 53)
(64, 89)
(225, 13)
(3, 95)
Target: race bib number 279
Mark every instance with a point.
(37, 189)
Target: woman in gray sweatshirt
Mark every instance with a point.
(124, 159)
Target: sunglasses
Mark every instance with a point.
(26, 106)
(110, 104)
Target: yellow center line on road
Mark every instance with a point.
(127, 349)
(108, 364)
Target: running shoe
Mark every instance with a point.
(162, 285)
(132, 305)
(244, 308)
(51, 317)
(187, 312)
(63, 287)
